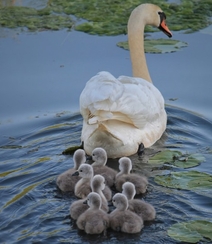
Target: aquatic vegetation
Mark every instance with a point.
(13, 17)
(177, 159)
(189, 180)
(191, 231)
(105, 17)
(158, 45)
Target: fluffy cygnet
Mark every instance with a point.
(94, 220)
(64, 181)
(99, 157)
(83, 186)
(143, 209)
(122, 219)
(125, 166)
(97, 185)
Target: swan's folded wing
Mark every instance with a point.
(127, 99)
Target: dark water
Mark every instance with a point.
(33, 210)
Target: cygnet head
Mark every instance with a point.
(128, 189)
(120, 201)
(125, 165)
(79, 158)
(98, 182)
(94, 200)
(85, 171)
(99, 156)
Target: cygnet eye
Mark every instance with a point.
(81, 170)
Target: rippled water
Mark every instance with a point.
(33, 210)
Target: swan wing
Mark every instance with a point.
(127, 99)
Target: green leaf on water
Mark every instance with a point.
(158, 45)
(177, 159)
(72, 149)
(191, 180)
(192, 231)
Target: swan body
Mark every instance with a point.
(64, 181)
(125, 166)
(94, 220)
(143, 209)
(122, 219)
(121, 113)
(99, 156)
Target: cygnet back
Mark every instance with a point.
(125, 166)
(122, 219)
(99, 157)
(143, 209)
(94, 220)
(64, 181)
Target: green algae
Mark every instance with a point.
(191, 231)
(158, 45)
(105, 17)
(34, 20)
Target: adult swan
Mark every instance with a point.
(120, 114)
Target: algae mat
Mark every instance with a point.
(104, 17)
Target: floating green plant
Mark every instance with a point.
(72, 149)
(191, 180)
(158, 45)
(177, 159)
(105, 17)
(191, 231)
(33, 19)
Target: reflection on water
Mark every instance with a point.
(32, 209)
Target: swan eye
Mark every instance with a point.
(162, 15)
(93, 154)
(81, 170)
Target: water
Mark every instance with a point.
(42, 76)
(33, 210)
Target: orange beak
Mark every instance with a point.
(163, 27)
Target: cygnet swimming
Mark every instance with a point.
(143, 209)
(99, 156)
(94, 220)
(122, 219)
(83, 186)
(64, 181)
(125, 166)
(78, 207)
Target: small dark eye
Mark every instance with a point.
(81, 170)
(93, 154)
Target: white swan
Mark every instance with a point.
(120, 114)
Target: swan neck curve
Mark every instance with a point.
(139, 18)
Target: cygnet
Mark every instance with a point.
(143, 209)
(64, 181)
(78, 207)
(125, 166)
(94, 220)
(122, 219)
(99, 156)
(83, 186)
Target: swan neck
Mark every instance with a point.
(136, 25)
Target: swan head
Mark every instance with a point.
(94, 200)
(79, 158)
(149, 14)
(125, 165)
(85, 171)
(99, 156)
(128, 189)
(98, 182)
(120, 201)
